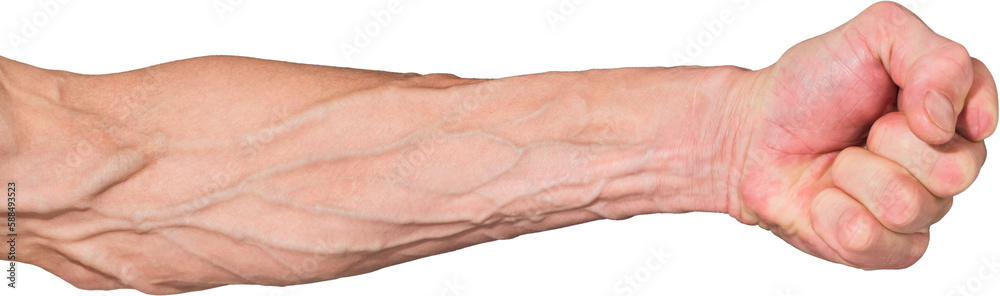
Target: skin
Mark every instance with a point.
(166, 179)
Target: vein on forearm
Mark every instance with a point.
(384, 174)
(442, 183)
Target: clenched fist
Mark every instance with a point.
(858, 139)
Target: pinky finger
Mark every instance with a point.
(858, 237)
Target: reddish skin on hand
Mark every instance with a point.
(805, 178)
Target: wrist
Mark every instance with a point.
(704, 147)
(738, 120)
(686, 127)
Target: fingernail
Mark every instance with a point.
(941, 111)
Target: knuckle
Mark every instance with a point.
(900, 204)
(978, 154)
(886, 132)
(956, 60)
(915, 251)
(887, 8)
(858, 234)
(953, 173)
(876, 137)
(838, 162)
(907, 259)
(846, 157)
(891, 12)
(958, 52)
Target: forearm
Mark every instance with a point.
(332, 172)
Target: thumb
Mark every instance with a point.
(934, 74)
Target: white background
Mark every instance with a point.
(711, 254)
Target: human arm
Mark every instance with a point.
(794, 118)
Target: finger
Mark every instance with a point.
(888, 191)
(860, 240)
(934, 74)
(979, 118)
(945, 170)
